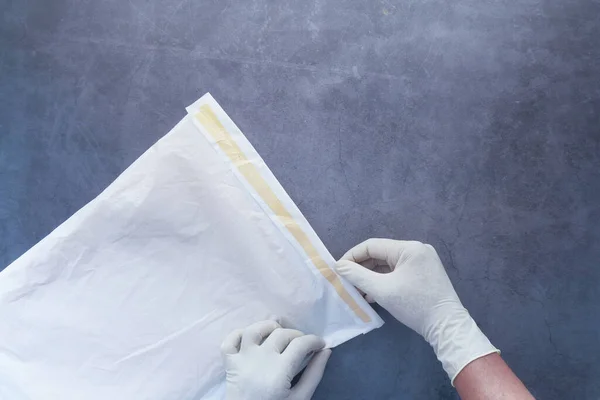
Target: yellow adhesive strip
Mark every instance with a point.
(213, 126)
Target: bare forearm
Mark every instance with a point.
(489, 378)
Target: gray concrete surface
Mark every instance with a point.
(472, 125)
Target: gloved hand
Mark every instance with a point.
(418, 293)
(262, 360)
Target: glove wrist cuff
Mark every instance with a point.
(457, 341)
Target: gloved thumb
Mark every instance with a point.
(308, 382)
(359, 276)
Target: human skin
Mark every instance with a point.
(490, 378)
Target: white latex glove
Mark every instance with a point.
(262, 360)
(417, 292)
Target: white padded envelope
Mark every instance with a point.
(131, 297)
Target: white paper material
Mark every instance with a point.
(131, 297)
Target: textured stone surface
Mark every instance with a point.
(471, 125)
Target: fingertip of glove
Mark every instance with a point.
(342, 266)
(323, 355)
(323, 343)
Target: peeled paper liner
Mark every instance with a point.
(212, 121)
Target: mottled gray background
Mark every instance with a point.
(473, 125)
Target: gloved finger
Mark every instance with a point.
(378, 266)
(308, 382)
(388, 250)
(231, 344)
(256, 333)
(432, 249)
(281, 338)
(299, 349)
(364, 279)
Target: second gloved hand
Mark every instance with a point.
(417, 292)
(261, 361)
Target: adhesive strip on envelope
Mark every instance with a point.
(131, 297)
